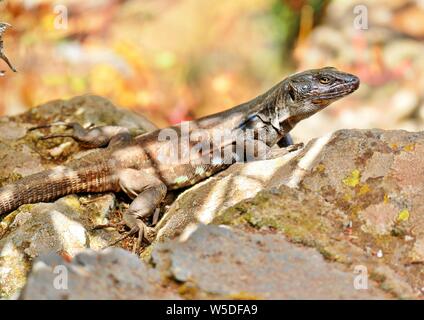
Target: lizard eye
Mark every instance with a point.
(324, 80)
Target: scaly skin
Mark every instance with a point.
(135, 166)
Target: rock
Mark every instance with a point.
(224, 263)
(110, 274)
(368, 179)
(63, 226)
(307, 219)
(214, 262)
(379, 218)
(349, 201)
(204, 201)
(416, 255)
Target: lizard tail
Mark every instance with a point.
(51, 184)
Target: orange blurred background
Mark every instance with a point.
(174, 60)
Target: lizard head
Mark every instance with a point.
(303, 94)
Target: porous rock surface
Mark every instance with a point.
(340, 218)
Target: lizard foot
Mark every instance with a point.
(144, 233)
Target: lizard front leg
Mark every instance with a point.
(147, 192)
(91, 137)
(285, 141)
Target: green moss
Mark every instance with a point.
(264, 222)
(299, 224)
(305, 219)
(330, 254)
(11, 177)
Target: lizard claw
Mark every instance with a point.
(144, 232)
(129, 233)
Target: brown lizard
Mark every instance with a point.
(146, 166)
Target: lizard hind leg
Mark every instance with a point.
(91, 137)
(148, 192)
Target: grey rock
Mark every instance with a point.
(63, 226)
(353, 197)
(204, 201)
(234, 264)
(369, 179)
(361, 187)
(214, 262)
(110, 274)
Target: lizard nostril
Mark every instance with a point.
(354, 80)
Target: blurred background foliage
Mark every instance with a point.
(175, 60)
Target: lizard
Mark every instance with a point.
(136, 166)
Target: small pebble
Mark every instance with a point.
(379, 254)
